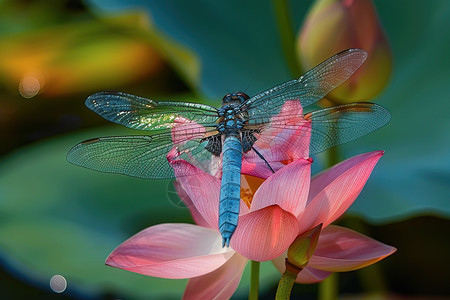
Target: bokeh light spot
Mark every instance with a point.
(29, 86)
(58, 283)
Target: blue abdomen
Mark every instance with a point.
(230, 189)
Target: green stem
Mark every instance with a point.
(332, 156)
(328, 289)
(254, 281)
(285, 286)
(287, 35)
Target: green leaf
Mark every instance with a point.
(412, 178)
(237, 42)
(56, 218)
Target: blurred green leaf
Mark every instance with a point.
(237, 42)
(181, 58)
(239, 48)
(413, 177)
(56, 218)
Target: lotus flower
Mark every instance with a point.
(334, 25)
(274, 211)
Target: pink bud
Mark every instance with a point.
(335, 25)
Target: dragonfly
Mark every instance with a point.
(219, 139)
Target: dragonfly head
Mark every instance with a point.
(234, 98)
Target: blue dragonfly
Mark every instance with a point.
(219, 139)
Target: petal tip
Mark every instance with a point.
(393, 250)
(380, 152)
(111, 260)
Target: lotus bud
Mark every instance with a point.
(335, 25)
(303, 248)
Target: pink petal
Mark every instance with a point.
(311, 275)
(259, 169)
(196, 215)
(219, 284)
(202, 189)
(188, 127)
(287, 188)
(171, 251)
(340, 249)
(264, 234)
(183, 131)
(280, 142)
(307, 275)
(243, 208)
(333, 191)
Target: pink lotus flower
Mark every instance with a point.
(273, 213)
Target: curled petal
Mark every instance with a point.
(219, 284)
(307, 275)
(340, 249)
(196, 215)
(287, 188)
(202, 189)
(333, 191)
(264, 234)
(171, 251)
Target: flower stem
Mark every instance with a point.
(287, 35)
(285, 286)
(287, 280)
(254, 281)
(332, 156)
(328, 289)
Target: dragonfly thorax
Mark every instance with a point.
(230, 125)
(231, 118)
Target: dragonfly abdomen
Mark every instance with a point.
(230, 189)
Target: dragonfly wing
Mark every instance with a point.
(309, 88)
(282, 138)
(290, 136)
(341, 124)
(145, 114)
(144, 156)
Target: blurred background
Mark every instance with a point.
(58, 219)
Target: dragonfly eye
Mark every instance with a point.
(236, 97)
(242, 96)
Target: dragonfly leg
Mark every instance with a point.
(262, 157)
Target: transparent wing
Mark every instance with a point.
(143, 156)
(145, 114)
(344, 123)
(309, 88)
(289, 136)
